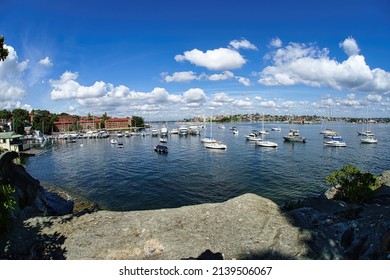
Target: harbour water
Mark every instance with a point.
(135, 177)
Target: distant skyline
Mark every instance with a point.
(170, 60)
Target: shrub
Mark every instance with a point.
(353, 186)
(7, 203)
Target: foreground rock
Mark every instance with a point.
(246, 227)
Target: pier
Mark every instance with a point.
(33, 152)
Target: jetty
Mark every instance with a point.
(33, 152)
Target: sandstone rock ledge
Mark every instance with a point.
(246, 227)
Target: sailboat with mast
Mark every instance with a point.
(210, 143)
(263, 131)
(368, 136)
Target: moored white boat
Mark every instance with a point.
(264, 143)
(252, 137)
(335, 143)
(369, 140)
(294, 136)
(215, 145)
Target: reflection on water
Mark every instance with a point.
(136, 177)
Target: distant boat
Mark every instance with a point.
(263, 131)
(252, 137)
(114, 141)
(120, 145)
(174, 131)
(328, 131)
(276, 129)
(163, 140)
(235, 131)
(368, 140)
(164, 131)
(294, 136)
(208, 139)
(335, 142)
(183, 130)
(215, 145)
(263, 143)
(154, 132)
(161, 149)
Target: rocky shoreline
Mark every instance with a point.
(49, 224)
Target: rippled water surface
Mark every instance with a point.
(135, 177)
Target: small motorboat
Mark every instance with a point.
(215, 145)
(161, 149)
(369, 140)
(263, 143)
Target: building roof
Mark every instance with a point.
(89, 121)
(9, 135)
(118, 120)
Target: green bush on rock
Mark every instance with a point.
(7, 203)
(352, 185)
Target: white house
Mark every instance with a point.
(11, 141)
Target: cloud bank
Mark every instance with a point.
(308, 65)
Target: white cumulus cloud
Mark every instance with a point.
(223, 76)
(46, 62)
(311, 66)
(217, 59)
(275, 43)
(185, 76)
(244, 81)
(350, 46)
(242, 44)
(194, 97)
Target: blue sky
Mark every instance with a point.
(168, 60)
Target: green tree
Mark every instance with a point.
(5, 114)
(43, 121)
(20, 119)
(139, 121)
(103, 120)
(353, 186)
(3, 51)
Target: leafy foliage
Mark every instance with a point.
(139, 121)
(43, 121)
(20, 120)
(3, 51)
(7, 203)
(353, 186)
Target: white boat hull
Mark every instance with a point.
(266, 144)
(334, 143)
(368, 141)
(215, 145)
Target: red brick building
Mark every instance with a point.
(118, 123)
(66, 123)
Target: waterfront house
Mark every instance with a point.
(11, 141)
